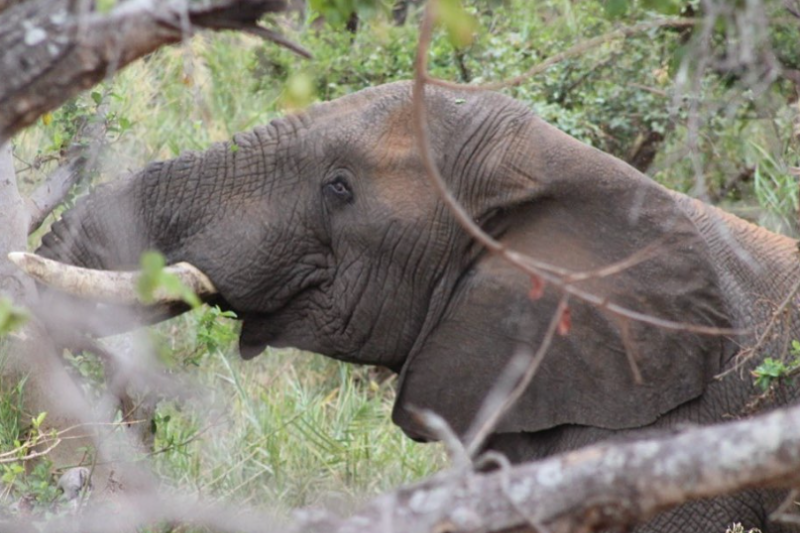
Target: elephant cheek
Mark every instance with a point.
(253, 339)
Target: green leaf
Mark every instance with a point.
(795, 350)
(153, 277)
(299, 91)
(665, 7)
(97, 97)
(152, 265)
(769, 371)
(37, 422)
(616, 8)
(105, 6)
(11, 316)
(460, 25)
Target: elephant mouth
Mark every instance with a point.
(111, 287)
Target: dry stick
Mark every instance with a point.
(630, 349)
(509, 388)
(523, 262)
(781, 513)
(28, 457)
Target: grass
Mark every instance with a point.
(288, 427)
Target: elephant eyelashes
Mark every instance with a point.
(339, 190)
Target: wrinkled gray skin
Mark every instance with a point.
(322, 232)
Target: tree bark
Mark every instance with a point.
(52, 50)
(612, 485)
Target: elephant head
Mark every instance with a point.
(322, 231)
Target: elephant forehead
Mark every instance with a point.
(406, 198)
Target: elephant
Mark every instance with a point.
(323, 231)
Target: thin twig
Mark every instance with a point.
(747, 354)
(510, 386)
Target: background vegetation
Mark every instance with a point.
(293, 429)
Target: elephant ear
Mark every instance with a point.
(585, 210)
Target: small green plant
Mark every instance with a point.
(34, 484)
(772, 370)
(214, 334)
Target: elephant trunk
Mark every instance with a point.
(101, 232)
(108, 230)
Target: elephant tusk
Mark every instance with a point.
(107, 286)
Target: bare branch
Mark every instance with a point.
(599, 487)
(602, 486)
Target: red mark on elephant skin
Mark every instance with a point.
(537, 288)
(565, 322)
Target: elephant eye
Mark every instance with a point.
(339, 189)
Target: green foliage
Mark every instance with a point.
(338, 12)
(459, 24)
(11, 316)
(774, 185)
(90, 368)
(299, 92)
(292, 428)
(665, 7)
(772, 371)
(214, 334)
(154, 277)
(11, 408)
(20, 478)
